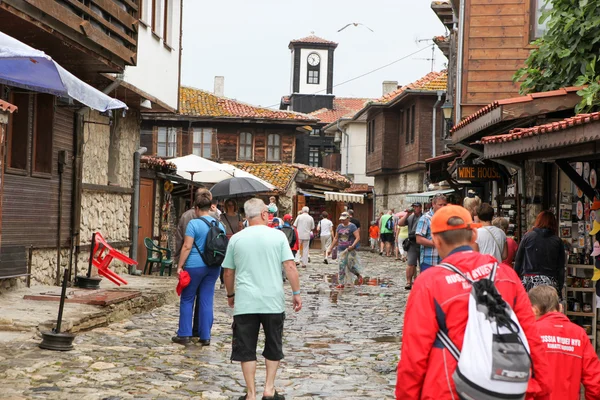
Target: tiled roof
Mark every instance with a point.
(323, 174)
(342, 107)
(199, 103)
(358, 188)
(278, 175)
(513, 100)
(312, 39)
(431, 81)
(6, 106)
(520, 133)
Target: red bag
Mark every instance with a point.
(184, 280)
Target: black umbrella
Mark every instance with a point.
(238, 187)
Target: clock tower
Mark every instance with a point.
(312, 74)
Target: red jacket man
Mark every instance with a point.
(438, 297)
(569, 351)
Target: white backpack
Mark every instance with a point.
(494, 363)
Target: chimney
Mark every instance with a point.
(389, 86)
(219, 86)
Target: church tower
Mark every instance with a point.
(312, 74)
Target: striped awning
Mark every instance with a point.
(346, 197)
(425, 197)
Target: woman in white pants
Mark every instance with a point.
(324, 230)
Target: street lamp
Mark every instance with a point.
(447, 110)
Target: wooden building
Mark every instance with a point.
(222, 129)
(489, 41)
(404, 128)
(42, 188)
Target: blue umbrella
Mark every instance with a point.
(25, 67)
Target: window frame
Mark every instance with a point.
(406, 126)
(274, 147)
(170, 132)
(309, 77)
(412, 123)
(158, 18)
(244, 145)
(8, 168)
(534, 18)
(42, 173)
(312, 150)
(201, 144)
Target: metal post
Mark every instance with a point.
(93, 244)
(63, 295)
(135, 205)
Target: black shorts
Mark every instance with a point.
(245, 336)
(387, 237)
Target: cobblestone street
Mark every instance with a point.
(342, 345)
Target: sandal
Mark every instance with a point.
(276, 396)
(407, 287)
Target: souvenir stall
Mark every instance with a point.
(579, 222)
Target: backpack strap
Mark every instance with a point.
(208, 223)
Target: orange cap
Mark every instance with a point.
(439, 221)
(596, 204)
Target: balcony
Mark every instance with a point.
(86, 37)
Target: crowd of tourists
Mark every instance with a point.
(483, 319)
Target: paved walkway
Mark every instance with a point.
(342, 345)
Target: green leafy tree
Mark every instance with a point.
(566, 55)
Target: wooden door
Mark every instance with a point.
(146, 218)
(361, 213)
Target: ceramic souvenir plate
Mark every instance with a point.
(579, 193)
(586, 210)
(579, 168)
(592, 216)
(586, 171)
(593, 179)
(579, 210)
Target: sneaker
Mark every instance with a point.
(360, 280)
(381, 253)
(339, 287)
(204, 342)
(325, 261)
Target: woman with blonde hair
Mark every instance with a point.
(472, 203)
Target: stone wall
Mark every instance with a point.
(96, 137)
(391, 190)
(107, 213)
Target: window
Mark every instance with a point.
(407, 126)
(158, 11)
(537, 29)
(412, 124)
(18, 132)
(167, 39)
(202, 142)
(315, 132)
(313, 156)
(167, 142)
(42, 134)
(274, 147)
(371, 136)
(245, 146)
(313, 77)
(34, 121)
(143, 11)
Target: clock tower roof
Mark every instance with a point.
(313, 41)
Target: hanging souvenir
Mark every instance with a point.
(579, 168)
(586, 210)
(588, 226)
(581, 228)
(592, 216)
(579, 192)
(579, 210)
(586, 171)
(581, 242)
(593, 179)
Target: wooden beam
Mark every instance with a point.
(577, 179)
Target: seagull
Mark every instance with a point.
(356, 24)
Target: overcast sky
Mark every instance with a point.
(247, 42)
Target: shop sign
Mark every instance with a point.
(477, 173)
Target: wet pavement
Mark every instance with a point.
(343, 344)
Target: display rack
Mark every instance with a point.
(582, 295)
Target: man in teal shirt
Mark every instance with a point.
(253, 267)
(386, 235)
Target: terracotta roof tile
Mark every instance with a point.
(513, 100)
(431, 81)
(199, 103)
(323, 174)
(358, 188)
(6, 106)
(342, 107)
(519, 133)
(278, 175)
(312, 39)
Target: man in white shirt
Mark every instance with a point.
(305, 225)
(324, 229)
(490, 239)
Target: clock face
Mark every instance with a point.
(314, 59)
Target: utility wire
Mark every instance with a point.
(365, 74)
